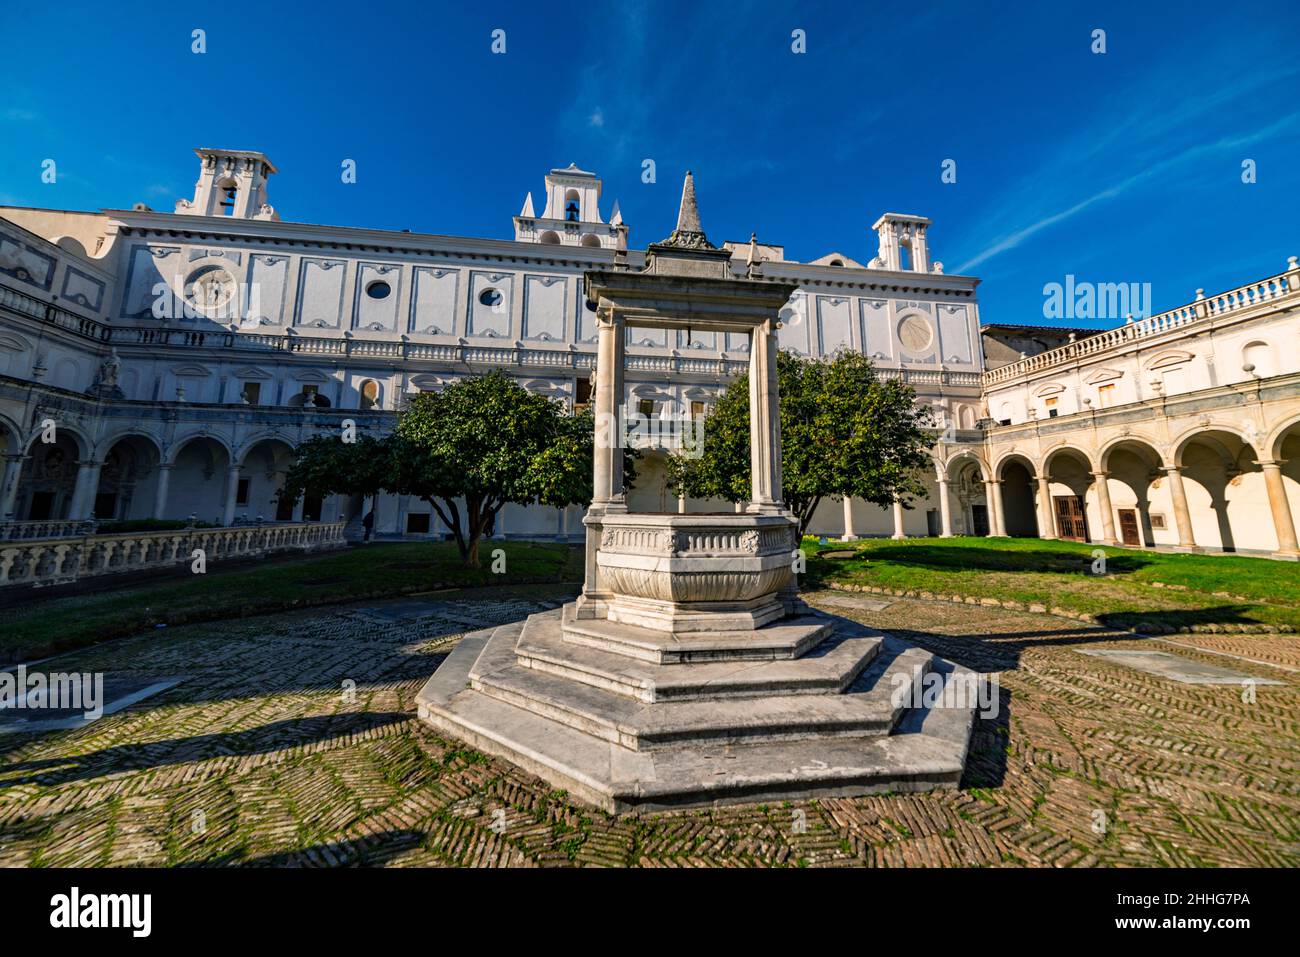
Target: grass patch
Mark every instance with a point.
(1138, 587)
(380, 570)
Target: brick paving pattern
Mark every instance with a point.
(263, 756)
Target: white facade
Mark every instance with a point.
(176, 351)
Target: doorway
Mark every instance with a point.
(1071, 523)
(1128, 526)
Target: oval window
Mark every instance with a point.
(490, 297)
(378, 290)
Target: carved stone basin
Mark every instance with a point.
(680, 573)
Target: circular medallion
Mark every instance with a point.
(209, 288)
(915, 334)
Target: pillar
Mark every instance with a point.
(898, 520)
(607, 478)
(1283, 522)
(1182, 516)
(764, 422)
(83, 493)
(9, 490)
(945, 510)
(1103, 505)
(1046, 517)
(991, 508)
(160, 493)
(681, 504)
(997, 522)
(849, 535)
(232, 493)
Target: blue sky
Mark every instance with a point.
(1119, 167)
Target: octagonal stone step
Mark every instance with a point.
(786, 639)
(927, 750)
(830, 667)
(870, 706)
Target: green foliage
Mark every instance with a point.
(467, 451)
(844, 431)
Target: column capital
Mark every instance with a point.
(1100, 473)
(1271, 463)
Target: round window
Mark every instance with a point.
(491, 297)
(378, 290)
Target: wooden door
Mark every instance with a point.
(979, 519)
(1128, 526)
(1070, 521)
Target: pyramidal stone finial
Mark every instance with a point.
(689, 233)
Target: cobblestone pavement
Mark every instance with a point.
(263, 755)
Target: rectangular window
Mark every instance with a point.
(252, 392)
(646, 407)
(697, 409)
(1105, 395)
(241, 493)
(583, 394)
(1158, 520)
(1050, 402)
(417, 523)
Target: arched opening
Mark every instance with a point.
(1139, 494)
(1069, 477)
(966, 489)
(128, 480)
(229, 193)
(1227, 500)
(199, 479)
(369, 393)
(572, 206)
(549, 238)
(591, 241)
(1286, 449)
(261, 476)
(1019, 498)
(48, 480)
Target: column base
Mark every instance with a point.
(947, 535)
(1287, 555)
(848, 538)
(897, 537)
(1189, 549)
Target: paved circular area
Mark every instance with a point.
(292, 740)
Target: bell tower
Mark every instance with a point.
(902, 243)
(571, 216)
(231, 183)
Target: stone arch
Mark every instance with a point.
(1227, 498)
(128, 476)
(1020, 505)
(81, 440)
(1072, 503)
(264, 462)
(199, 479)
(591, 241)
(973, 456)
(1138, 491)
(47, 479)
(11, 436)
(967, 472)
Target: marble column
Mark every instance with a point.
(1182, 517)
(607, 479)
(997, 521)
(945, 510)
(160, 491)
(1103, 505)
(1046, 517)
(764, 422)
(9, 490)
(83, 493)
(990, 510)
(849, 535)
(232, 494)
(898, 520)
(1283, 522)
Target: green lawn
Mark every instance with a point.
(1207, 590)
(53, 624)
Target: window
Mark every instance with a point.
(646, 407)
(1050, 402)
(251, 392)
(491, 297)
(1158, 520)
(583, 393)
(1106, 395)
(417, 523)
(378, 290)
(572, 206)
(697, 409)
(241, 492)
(369, 394)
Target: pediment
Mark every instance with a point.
(310, 375)
(1104, 375)
(252, 372)
(1172, 357)
(12, 343)
(191, 369)
(1052, 388)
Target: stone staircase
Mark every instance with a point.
(628, 718)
